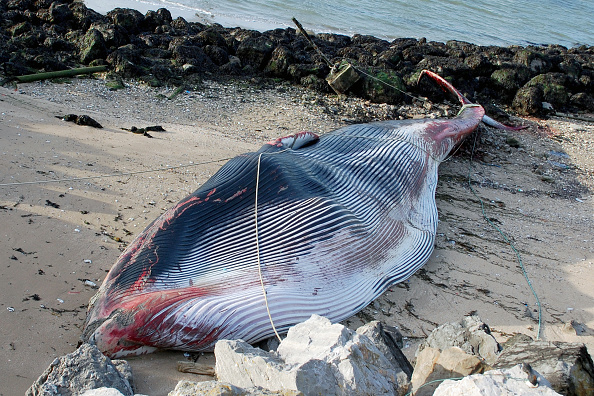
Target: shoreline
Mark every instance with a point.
(160, 51)
(484, 27)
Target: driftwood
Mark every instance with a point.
(575, 117)
(195, 368)
(61, 73)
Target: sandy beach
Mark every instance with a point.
(59, 236)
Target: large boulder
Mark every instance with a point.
(154, 19)
(56, 14)
(185, 51)
(582, 100)
(126, 61)
(471, 335)
(279, 63)
(535, 61)
(388, 341)
(528, 101)
(567, 366)
(554, 87)
(84, 369)
(244, 366)
(84, 17)
(479, 64)
(356, 363)
(255, 51)
(509, 79)
(445, 66)
(217, 54)
(92, 47)
(316, 357)
(113, 35)
(211, 37)
(386, 87)
(126, 18)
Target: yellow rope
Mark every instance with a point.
(466, 106)
(258, 246)
(258, 260)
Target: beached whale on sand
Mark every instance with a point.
(307, 225)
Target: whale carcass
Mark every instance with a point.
(306, 225)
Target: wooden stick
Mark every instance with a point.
(61, 73)
(304, 33)
(575, 117)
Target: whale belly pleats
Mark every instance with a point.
(338, 221)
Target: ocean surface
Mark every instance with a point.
(485, 22)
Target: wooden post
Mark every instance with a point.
(61, 73)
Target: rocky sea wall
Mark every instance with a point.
(44, 35)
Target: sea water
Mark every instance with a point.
(485, 22)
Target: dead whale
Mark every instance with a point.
(306, 225)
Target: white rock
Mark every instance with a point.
(471, 335)
(103, 392)
(434, 365)
(508, 382)
(216, 388)
(388, 346)
(244, 366)
(566, 365)
(358, 365)
(84, 369)
(316, 357)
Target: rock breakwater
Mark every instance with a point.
(157, 49)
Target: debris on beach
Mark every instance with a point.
(144, 131)
(83, 120)
(52, 204)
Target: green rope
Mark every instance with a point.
(360, 70)
(506, 239)
(112, 175)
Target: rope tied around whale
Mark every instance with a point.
(506, 239)
(257, 189)
(259, 262)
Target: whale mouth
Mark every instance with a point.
(111, 335)
(126, 348)
(88, 334)
(118, 318)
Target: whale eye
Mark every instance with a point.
(303, 139)
(296, 141)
